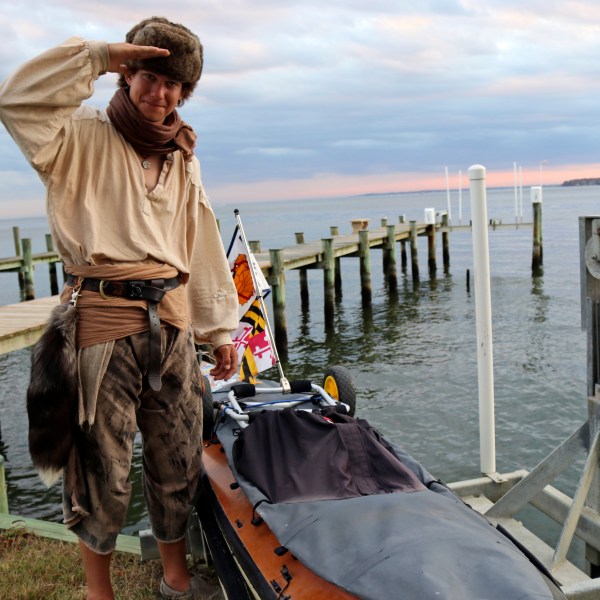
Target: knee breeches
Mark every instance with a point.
(97, 486)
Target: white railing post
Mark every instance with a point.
(483, 315)
(448, 198)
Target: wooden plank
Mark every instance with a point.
(11, 263)
(58, 531)
(22, 324)
(345, 245)
(543, 474)
(585, 482)
(567, 573)
(310, 254)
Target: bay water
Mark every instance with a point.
(412, 353)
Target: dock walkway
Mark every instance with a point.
(326, 255)
(23, 323)
(310, 254)
(24, 262)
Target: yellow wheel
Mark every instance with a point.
(338, 384)
(330, 386)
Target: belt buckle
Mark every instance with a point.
(101, 290)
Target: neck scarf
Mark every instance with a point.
(148, 137)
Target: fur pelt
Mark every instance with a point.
(52, 394)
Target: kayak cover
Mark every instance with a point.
(363, 514)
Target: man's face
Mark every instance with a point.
(154, 95)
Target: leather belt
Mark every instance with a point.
(151, 290)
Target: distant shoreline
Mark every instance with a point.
(585, 181)
(10, 220)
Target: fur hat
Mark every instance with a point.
(184, 64)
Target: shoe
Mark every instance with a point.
(166, 591)
(204, 590)
(199, 590)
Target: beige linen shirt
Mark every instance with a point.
(99, 210)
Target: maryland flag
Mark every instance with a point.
(253, 344)
(251, 338)
(241, 261)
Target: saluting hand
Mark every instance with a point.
(120, 53)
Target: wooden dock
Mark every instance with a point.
(312, 254)
(23, 323)
(24, 261)
(326, 254)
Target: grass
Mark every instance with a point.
(37, 568)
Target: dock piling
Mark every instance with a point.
(445, 243)
(23, 263)
(28, 269)
(365, 265)
(414, 258)
(19, 252)
(338, 278)
(52, 267)
(537, 259)
(335, 231)
(304, 297)
(389, 257)
(328, 279)
(277, 283)
(403, 257)
(303, 276)
(431, 261)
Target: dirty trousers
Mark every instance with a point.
(96, 482)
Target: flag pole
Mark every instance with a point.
(282, 378)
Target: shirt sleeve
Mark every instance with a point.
(211, 292)
(37, 100)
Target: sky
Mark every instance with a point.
(323, 98)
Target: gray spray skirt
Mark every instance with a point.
(413, 539)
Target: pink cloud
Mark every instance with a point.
(335, 184)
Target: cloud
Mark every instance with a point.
(380, 92)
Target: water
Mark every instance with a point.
(412, 354)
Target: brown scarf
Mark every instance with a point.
(148, 137)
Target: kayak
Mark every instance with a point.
(302, 500)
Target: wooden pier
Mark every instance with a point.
(23, 323)
(326, 253)
(24, 261)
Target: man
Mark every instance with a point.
(140, 243)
